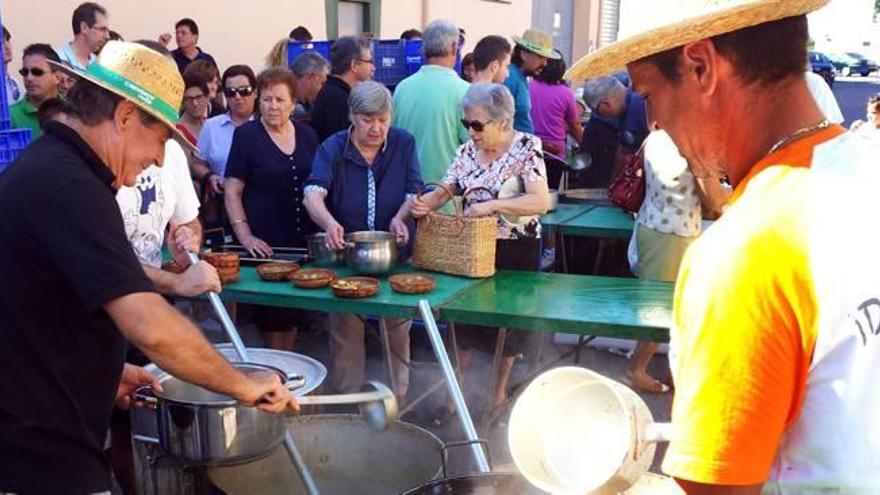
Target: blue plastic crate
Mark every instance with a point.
(390, 59)
(4, 103)
(295, 48)
(414, 57)
(12, 142)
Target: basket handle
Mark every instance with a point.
(472, 190)
(448, 191)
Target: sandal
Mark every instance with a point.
(649, 386)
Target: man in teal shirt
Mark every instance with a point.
(428, 103)
(41, 83)
(529, 58)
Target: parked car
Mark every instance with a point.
(822, 65)
(851, 63)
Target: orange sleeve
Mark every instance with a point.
(743, 337)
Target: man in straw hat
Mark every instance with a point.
(776, 325)
(73, 290)
(530, 54)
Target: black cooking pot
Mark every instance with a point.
(476, 484)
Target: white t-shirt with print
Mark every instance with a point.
(672, 205)
(160, 195)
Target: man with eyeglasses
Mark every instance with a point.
(351, 62)
(41, 83)
(90, 33)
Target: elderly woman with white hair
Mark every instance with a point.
(361, 179)
(497, 155)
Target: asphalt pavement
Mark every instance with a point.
(852, 94)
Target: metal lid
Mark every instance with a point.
(291, 363)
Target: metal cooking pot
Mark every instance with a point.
(371, 252)
(320, 254)
(344, 455)
(204, 427)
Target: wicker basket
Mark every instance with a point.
(455, 244)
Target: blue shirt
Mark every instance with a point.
(632, 124)
(273, 190)
(215, 141)
(65, 53)
(355, 199)
(518, 85)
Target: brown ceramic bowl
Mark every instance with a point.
(312, 278)
(355, 287)
(276, 271)
(412, 283)
(221, 260)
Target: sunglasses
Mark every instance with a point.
(476, 125)
(243, 91)
(37, 72)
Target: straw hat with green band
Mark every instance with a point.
(662, 25)
(142, 76)
(538, 42)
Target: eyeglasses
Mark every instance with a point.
(194, 99)
(243, 91)
(366, 61)
(476, 125)
(36, 71)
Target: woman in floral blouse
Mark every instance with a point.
(497, 156)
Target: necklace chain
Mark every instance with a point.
(794, 136)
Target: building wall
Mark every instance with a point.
(845, 26)
(244, 32)
(480, 18)
(233, 32)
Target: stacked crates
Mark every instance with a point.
(394, 59)
(12, 141)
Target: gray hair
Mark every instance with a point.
(599, 89)
(369, 98)
(309, 63)
(494, 98)
(438, 38)
(346, 50)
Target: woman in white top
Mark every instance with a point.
(668, 222)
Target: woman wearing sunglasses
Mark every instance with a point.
(496, 156)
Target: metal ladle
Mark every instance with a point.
(295, 456)
(376, 402)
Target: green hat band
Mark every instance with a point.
(134, 91)
(532, 46)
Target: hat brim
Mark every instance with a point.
(181, 137)
(537, 50)
(691, 29)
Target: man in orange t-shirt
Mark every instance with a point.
(777, 306)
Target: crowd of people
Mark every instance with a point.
(269, 157)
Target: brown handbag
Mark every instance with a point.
(627, 189)
(456, 244)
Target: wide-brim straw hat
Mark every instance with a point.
(142, 76)
(537, 42)
(666, 24)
